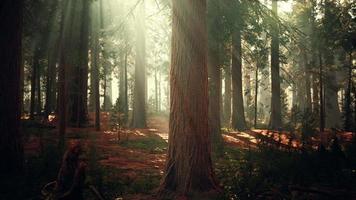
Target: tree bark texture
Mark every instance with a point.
(188, 167)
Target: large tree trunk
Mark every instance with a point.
(276, 116)
(62, 81)
(189, 167)
(11, 150)
(139, 108)
(238, 112)
(79, 93)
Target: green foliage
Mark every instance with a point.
(258, 174)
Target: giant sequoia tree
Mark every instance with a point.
(10, 56)
(189, 167)
(276, 116)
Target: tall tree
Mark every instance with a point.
(11, 150)
(94, 75)
(189, 167)
(276, 116)
(79, 90)
(238, 112)
(139, 107)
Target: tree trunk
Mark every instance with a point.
(276, 116)
(321, 95)
(95, 66)
(332, 110)
(247, 92)
(126, 104)
(238, 112)
(308, 103)
(159, 91)
(156, 91)
(139, 108)
(347, 105)
(51, 78)
(33, 83)
(65, 35)
(189, 167)
(52, 56)
(214, 101)
(11, 149)
(38, 84)
(79, 92)
(256, 93)
(227, 96)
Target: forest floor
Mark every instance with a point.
(129, 163)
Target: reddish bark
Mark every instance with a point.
(189, 167)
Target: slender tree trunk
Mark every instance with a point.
(33, 84)
(189, 167)
(276, 115)
(347, 104)
(238, 111)
(126, 104)
(159, 92)
(247, 92)
(38, 84)
(256, 93)
(139, 108)
(51, 77)
(11, 149)
(96, 75)
(62, 93)
(314, 62)
(156, 91)
(227, 99)
(321, 95)
(122, 85)
(308, 103)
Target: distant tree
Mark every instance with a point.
(238, 120)
(95, 68)
(139, 105)
(189, 167)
